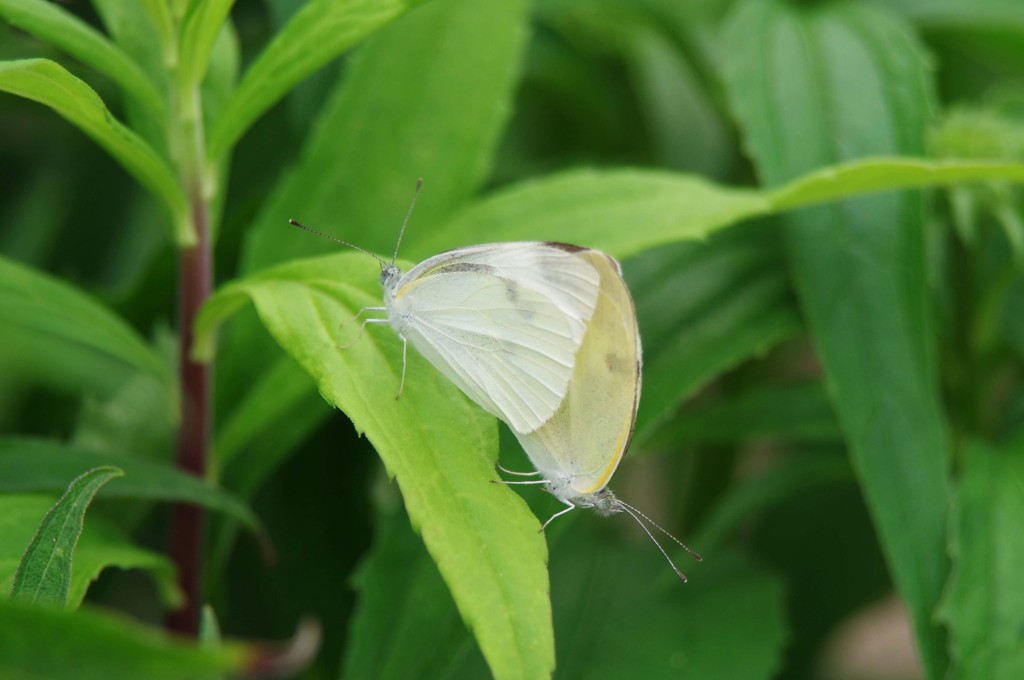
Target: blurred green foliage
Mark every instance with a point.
(833, 411)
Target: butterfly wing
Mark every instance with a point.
(580, 446)
(503, 322)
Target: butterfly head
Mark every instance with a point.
(389, 276)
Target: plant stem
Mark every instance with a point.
(195, 282)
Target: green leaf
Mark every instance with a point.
(403, 605)
(145, 31)
(984, 603)
(993, 14)
(869, 175)
(622, 212)
(704, 307)
(50, 84)
(39, 643)
(52, 329)
(620, 612)
(50, 23)
(483, 538)
(786, 480)
(591, 207)
(824, 84)
(41, 465)
(800, 412)
(44, 574)
(318, 33)
(101, 545)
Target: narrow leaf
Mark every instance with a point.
(50, 84)
(44, 575)
(984, 604)
(55, 25)
(102, 545)
(594, 207)
(871, 175)
(40, 642)
(622, 212)
(40, 465)
(824, 84)
(318, 33)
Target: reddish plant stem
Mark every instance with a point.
(195, 283)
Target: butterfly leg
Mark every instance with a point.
(362, 326)
(569, 508)
(520, 474)
(405, 350)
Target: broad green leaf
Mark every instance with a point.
(318, 33)
(800, 412)
(101, 546)
(51, 329)
(50, 23)
(44, 573)
(50, 84)
(704, 307)
(40, 465)
(824, 84)
(40, 643)
(483, 538)
(984, 603)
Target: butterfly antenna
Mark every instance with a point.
(401, 232)
(636, 515)
(294, 223)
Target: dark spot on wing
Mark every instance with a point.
(618, 363)
(459, 267)
(567, 247)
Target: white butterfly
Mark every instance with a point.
(544, 337)
(503, 321)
